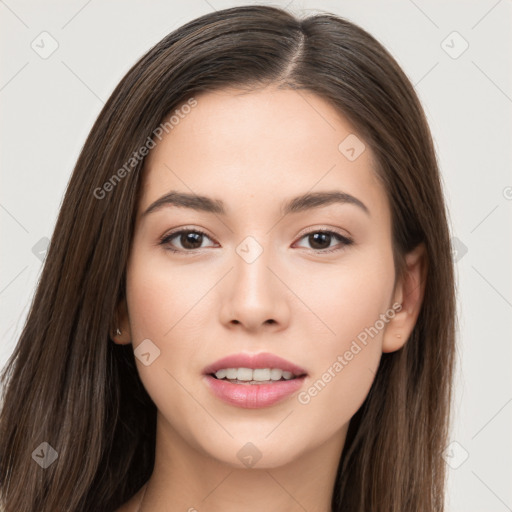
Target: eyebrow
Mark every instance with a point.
(297, 204)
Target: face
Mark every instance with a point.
(312, 284)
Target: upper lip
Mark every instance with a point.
(261, 360)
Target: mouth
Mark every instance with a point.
(255, 376)
(248, 368)
(254, 380)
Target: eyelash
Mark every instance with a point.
(165, 240)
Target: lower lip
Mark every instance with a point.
(253, 396)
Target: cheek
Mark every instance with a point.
(162, 298)
(167, 306)
(172, 305)
(348, 296)
(351, 303)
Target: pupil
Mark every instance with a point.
(188, 239)
(316, 238)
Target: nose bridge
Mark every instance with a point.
(252, 276)
(255, 295)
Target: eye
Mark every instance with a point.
(321, 239)
(190, 239)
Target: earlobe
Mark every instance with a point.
(120, 333)
(409, 292)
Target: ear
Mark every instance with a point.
(121, 322)
(409, 292)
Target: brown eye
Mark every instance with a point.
(189, 239)
(320, 240)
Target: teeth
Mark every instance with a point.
(258, 374)
(221, 374)
(231, 373)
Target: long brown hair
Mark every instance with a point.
(68, 385)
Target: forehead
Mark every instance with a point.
(260, 148)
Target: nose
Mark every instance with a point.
(253, 295)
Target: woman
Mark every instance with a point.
(248, 300)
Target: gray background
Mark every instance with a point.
(49, 104)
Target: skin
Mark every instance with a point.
(254, 150)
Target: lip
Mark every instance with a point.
(253, 396)
(261, 360)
